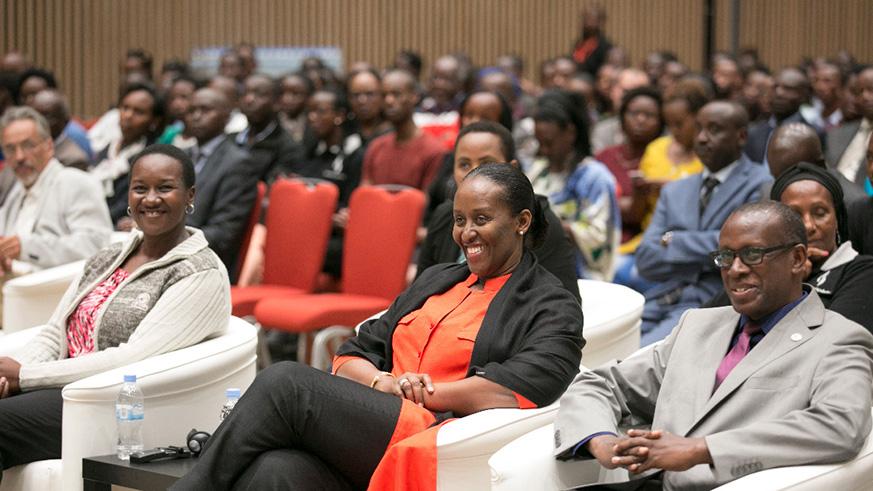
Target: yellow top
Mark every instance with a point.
(656, 165)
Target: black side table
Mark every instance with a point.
(100, 473)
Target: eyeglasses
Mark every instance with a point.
(750, 256)
(27, 146)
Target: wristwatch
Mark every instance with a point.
(667, 238)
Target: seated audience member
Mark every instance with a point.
(365, 101)
(410, 61)
(296, 89)
(670, 157)
(14, 62)
(757, 94)
(727, 79)
(437, 113)
(476, 106)
(790, 91)
(106, 129)
(178, 102)
(32, 81)
(141, 114)
(851, 96)
(688, 216)
(847, 144)
(230, 65)
(137, 62)
(715, 391)
(861, 212)
(53, 214)
(161, 290)
(232, 90)
(674, 71)
(827, 87)
(53, 107)
(267, 143)
(641, 123)
(407, 155)
(227, 188)
(793, 143)
(173, 69)
(580, 189)
(607, 131)
(503, 333)
(480, 143)
(246, 52)
(564, 69)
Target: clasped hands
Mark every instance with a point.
(412, 386)
(642, 450)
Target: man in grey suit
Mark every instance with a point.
(847, 144)
(684, 229)
(775, 380)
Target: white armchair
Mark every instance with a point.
(183, 389)
(29, 300)
(612, 321)
(527, 464)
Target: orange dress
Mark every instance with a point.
(436, 339)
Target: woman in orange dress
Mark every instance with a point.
(495, 331)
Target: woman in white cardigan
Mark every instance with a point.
(161, 290)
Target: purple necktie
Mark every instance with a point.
(736, 354)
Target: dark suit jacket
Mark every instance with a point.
(759, 136)
(685, 262)
(838, 140)
(268, 153)
(226, 190)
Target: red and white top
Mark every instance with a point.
(80, 325)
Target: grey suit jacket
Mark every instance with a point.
(801, 396)
(72, 220)
(685, 263)
(838, 140)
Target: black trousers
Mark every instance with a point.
(298, 428)
(30, 427)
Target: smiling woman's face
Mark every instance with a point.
(157, 195)
(486, 229)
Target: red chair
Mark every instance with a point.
(253, 220)
(299, 221)
(379, 241)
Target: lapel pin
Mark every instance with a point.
(796, 337)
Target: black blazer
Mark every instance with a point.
(226, 190)
(267, 154)
(530, 340)
(556, 254)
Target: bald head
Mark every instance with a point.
(208, 114)
(628, 78)
(721, 134)
(52, 105)
(226, 85)
(792, 144)
(14, 62)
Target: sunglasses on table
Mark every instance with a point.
(750, 256)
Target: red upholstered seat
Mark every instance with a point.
(379, 241)
(245, 298)
(326, 309)
(298, 224)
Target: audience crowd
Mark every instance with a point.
(639, 172)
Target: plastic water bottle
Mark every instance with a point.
(232, 398)
(129, 417)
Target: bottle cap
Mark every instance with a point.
(232, 393)
(130, 378)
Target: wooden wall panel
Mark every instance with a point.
(82, 41)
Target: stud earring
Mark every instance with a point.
(189, 209)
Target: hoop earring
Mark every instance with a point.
(129, 212)
(189, 209)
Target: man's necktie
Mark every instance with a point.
(737, 353)
(709, 185)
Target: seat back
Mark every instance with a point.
(254, 216)
(298, 224)
(380, 238)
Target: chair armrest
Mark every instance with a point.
(487, 431)
(183, 389)
(12, 342)
(29, 300)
